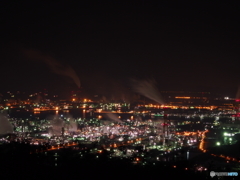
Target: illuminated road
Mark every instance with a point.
(202, 148)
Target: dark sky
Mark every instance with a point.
(183, 46)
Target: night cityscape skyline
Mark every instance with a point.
(119, 89)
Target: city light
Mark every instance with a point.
(136, 131)
(182, 97)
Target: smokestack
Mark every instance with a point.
(54, 65)
(147, 89)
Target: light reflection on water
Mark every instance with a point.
(75, 114)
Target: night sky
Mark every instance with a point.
(183, 46)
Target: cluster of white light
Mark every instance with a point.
(228, 134)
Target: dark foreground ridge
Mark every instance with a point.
(17, 162)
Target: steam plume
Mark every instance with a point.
(113, 117)
(5, 125)
(54, 65)
(147, 89)
(72, 125)
(57, 124)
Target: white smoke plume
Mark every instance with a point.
(5, 125)
(71, 126)
(113, 117)
(147, 89)
(57, 124)
(53, 64)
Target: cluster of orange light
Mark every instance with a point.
(56, 147)
(151, 105)
(182, 97)
(185, 133)
(226, 157)
(44, 109)
(87, 100)
(202, 141)
(179, 106)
